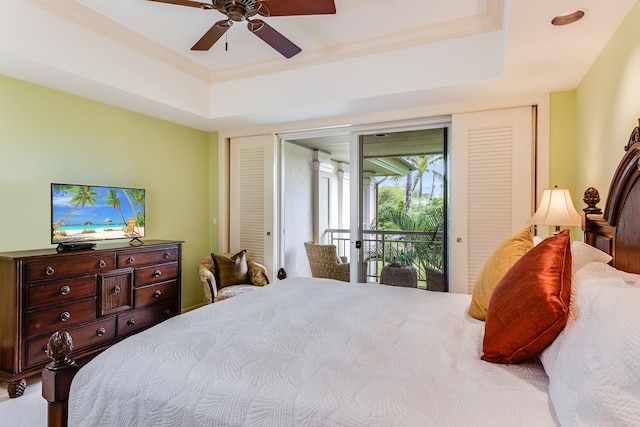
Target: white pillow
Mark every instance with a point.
(591, 271)
(582, 254)
(593, 364)
(599, 270)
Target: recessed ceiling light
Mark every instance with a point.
(568, 18)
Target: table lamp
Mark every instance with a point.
(556, 208)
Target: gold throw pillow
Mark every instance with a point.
(494, 268)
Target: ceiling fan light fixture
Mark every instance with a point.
(236, 14)
(568, 17)
(244, 10)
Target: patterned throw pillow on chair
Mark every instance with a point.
(230, 271)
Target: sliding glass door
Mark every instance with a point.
(401, 219)
(429, 195)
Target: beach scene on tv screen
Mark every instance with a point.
(81, 213)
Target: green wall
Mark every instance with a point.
(608, 106)
(214, 194)
(562, 141)
(590, 125)
(562, 149)
(50, 136)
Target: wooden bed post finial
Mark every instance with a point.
(59, 347)
(57, 376)
(634, 137)
(591, 198)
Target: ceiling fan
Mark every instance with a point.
(244, 10)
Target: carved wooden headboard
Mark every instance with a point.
(617, 229)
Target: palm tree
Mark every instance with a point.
(426, 248)
(135, 197)
(421, 163)
(412, 183)
(82, 195)
(435, 174)
(423, 166)
(113, 201)
(126, 195)
(408, 187)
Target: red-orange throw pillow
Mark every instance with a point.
(530, 305)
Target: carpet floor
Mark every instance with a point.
(30, 410)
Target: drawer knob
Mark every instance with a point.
(167, 311)
(157, 273)
(65, 316)
(49, 271)
(116, 289)
(131, 259)
(65, 290)
(166, 255)
(102, 263)
(100, 332)
(131, 322)
(157, 293)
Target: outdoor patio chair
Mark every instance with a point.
(325, 263)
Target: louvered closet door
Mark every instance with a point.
(252, 170)
(492, 190)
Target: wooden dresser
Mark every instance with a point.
(99, 296)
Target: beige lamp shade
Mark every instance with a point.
(556, 208)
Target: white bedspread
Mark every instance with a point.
(312, 352)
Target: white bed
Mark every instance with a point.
(312, 352)
(562, 322)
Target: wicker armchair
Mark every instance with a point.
(214, 291)
(325, 263)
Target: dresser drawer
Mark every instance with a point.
(147, 257)
(56, 268)
(60, 317)
(83, 336)
(60, 291)
(156, 274)
(115, 291)
(156, 294)
(134, 320)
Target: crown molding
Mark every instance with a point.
(490, 19)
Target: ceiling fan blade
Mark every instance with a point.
(211, 37)
(273, 38)
(296, 7)
(186, 3)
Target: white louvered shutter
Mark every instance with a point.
(251, 195)
(492, 186)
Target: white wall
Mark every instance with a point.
(391, 119)
(298, 208)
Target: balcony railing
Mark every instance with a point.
(422, 250)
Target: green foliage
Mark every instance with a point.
(390, 199)
(406, 208)
(424, 248)
(390, 195)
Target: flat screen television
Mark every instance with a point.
(85, 214)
